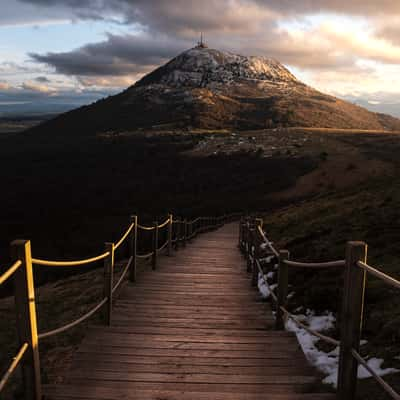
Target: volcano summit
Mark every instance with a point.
(208, 88)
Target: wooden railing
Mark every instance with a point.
(178, 232)
(252, 237)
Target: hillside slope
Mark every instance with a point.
(207, 88)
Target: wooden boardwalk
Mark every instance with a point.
(192, 329)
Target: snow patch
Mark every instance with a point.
(263, 288)
(328, 363)
(270, 275)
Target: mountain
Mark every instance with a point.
(208, 88)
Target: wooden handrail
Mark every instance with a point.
(356, 268)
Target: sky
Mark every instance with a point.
(64, 53)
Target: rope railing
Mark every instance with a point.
(124, 236)
(163, 246)
(292, 316)
(379, 274)
(75, 263)
(179, 231)
(147, 255)
(325, 338)
(165, 223)
(13, 366)
(10, 271)
(328, 264)
(266, 241)
(385, 386)
(73, 323)
(123, 274)
(252, 236)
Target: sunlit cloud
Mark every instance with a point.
(5, 86)
(37, 87)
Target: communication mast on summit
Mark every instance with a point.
(201, 44)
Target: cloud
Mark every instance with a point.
(177, 13)
(116, 56)
(343, 55)
(42, 79)
(31, 13)
(36, 87)
(108, 82)
(5, 86)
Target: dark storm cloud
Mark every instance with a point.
(118, 55)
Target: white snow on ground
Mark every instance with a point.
(270, 275)
(262, 287)
(328, 363)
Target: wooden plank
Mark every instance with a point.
(200, 387)
(86, 366)
(140, 338)
(133, 352)
(154, 344)
(195, 331)
(180, 378)
(95, 358)
(89, 392)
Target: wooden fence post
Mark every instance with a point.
(240, 234)
(177, 234)
(133, 249)
(190, 231)
(249, 247)
(108, 282)
(352, 316)
(257, 243)
(184, 232)
(282, 289)
(170, 235)
(24, 292)
(155, 245)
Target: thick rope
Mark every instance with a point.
(381, 275)
(386, 387)
(49, 263)
(10, 271)
(124, 237)
(74, 323)
(339, 263)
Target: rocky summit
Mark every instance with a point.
(213, 69)
(212, 89)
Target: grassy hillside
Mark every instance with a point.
(317, 230)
